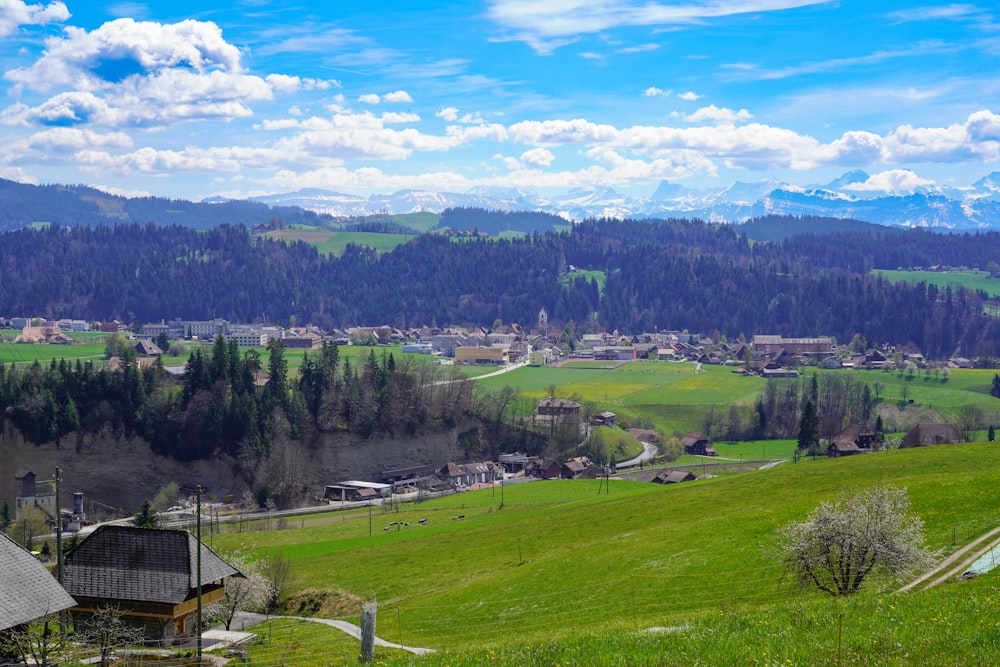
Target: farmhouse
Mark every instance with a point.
(149, 575)
(852, 440)
(44, 334)
(673, 477)
(603, 419)
(557, 409)
(923, 435)
(28, 591)
(576, 467)
(543, 469)
(645, 435)
(147, 348)
(462, 475)
(697, 444)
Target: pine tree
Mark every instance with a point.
(808, 428)
(5, 516)
(995, 389)
(991, 435)
(146, 517)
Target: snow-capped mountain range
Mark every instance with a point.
(897, 198)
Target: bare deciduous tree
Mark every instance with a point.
(39, 642)
(860, 534)
(107, 629)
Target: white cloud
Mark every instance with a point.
(397, 96)
(689, 96)
(17, 174)
(714, 114)
(953, 11)
(370, 98)
(126, 48)
(537, 157)
(284, 83)
(400, 117)
(142, 73)
(15, 13)
(546, 26)
(893, 181)
(449, 114)
(121, 192)
(653, 91)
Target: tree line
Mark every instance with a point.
(233, 402)
(663, 274)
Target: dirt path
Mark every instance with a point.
(955, 564)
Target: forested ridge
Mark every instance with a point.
(664, 274)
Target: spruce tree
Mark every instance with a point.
(808, 428)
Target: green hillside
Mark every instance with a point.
(973, 280)
(564, 561)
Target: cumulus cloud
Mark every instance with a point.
(689, 96)
(714, 114)
(893, 181)
(130, 72)
(977, 138)
(284, 83)
(537, 157)
(17, 174)
(400, 117)
(449, 114)
(653, 91)
(370, 98)
(397, 96)
(15, 13)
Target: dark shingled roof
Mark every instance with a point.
(141, 564)
(27, 590)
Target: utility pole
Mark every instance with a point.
(198, 566)
(59, 550)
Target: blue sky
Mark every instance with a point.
(192, 99)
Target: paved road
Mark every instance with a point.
(648, 454)
(244, 619)
(957, 563)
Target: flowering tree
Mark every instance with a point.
(860, 534)
(251, 591)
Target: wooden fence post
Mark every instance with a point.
(368, 613)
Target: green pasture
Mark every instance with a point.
(751, 450)
(334, 243)
(590, 274)
(565, 559)
(422, 222)
(675, 398)
(634, 383)
(953, 625)
(973, 280)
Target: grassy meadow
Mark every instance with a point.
(972, 279)
(581, 572)
(675, 398)
(334, 243)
